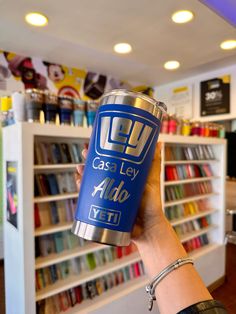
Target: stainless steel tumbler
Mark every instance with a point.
(34, 103)
(120, 153)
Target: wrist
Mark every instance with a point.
(159, 246)
(155, 233)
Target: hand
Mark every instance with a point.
(80, 170)
(150, 213)
(159, 246)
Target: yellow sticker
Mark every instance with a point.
(226, 79)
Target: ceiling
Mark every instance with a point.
(82, 33)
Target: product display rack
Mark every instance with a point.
(207, 255)
(19, 243)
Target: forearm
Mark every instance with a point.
(183, 287)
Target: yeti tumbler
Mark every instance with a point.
(121, 150)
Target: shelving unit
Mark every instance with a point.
(179, 221)
(203, 251)
(20, 246)
(75, 280)
(190, 199)
(110, 296)
(193, 234)
(207, 255)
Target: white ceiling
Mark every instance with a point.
(82, 33)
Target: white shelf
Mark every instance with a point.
(197, 253)
(175, 140)
(189, 199)
(109, 296)
(189, 162)
(76, 280)
(54, 167)
(65, 255)
(58, 197)
(18, 145)
(53, 228)
(194, 234)
(52, 130)
(176, 222)
(192, 180)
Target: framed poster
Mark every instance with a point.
(215, 96)
(182, 101)
(12, 193)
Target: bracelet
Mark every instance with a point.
(150, 289)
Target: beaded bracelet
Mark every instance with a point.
(150, 289)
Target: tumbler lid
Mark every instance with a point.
(50, 97)
(35, 95)
(34, 90)
(136, 99)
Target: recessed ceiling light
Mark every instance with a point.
(123, 48)
(36, 19)
(171, 65)
(228, 44)
(182, 16)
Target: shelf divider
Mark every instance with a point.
(57, 197)
(192, 180)
(189, 199)
(62, 226)
(184, 162)
(54, 167)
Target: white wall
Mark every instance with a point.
(163, 92)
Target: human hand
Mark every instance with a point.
(80, 169)
(158, 246)
(150, 212)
